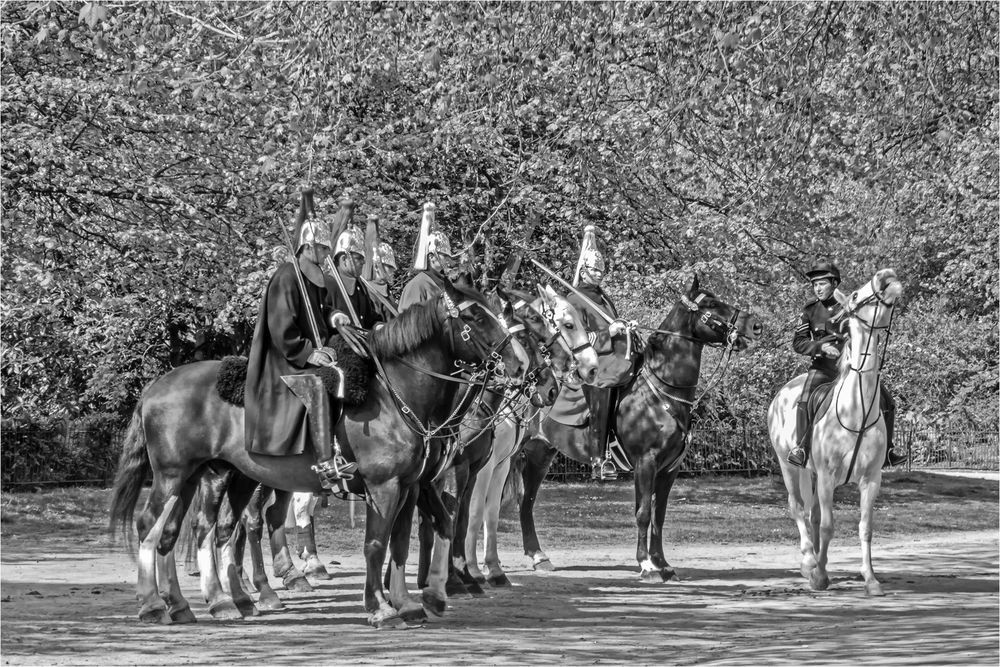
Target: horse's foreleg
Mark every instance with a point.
(538, 457)
(213, 484)
(869, 489)
(435, 595)
(303, 508)
(664, 482)
(477, 507)
(465, 482)
(410, 610)
(645, 480)
(491, 523)
(382, 510)
(825, 485)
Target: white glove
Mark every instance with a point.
(323, 356)
(829, 350)
(339, 319)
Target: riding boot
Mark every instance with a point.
(800, 453)
(331, 466)
(892, 459)
(599, 402)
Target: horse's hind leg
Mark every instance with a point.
(645, 480)
(150, 525)
(213, 483)
(825, 485)
(435, 596)
(799, 485)
(383, 508)
(664, 482)
(253, 523)
(303, 510)
(228, 536)
(869, 491)
(538, 457)
(166, 566)
(281, 557)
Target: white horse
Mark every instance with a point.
(849, 439)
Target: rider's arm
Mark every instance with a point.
(283, 305)
(803, 342)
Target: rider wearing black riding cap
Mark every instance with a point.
(822, 339)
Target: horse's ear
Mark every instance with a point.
(546, 293)
(694, 282)
(841, 298)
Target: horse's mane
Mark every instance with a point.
(415, 326)
(411, 329)
(844, 363)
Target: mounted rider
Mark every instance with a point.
(821, 337)
(589, 275)
(379, 272)
(290, 345)
(432, 262)
(349, 262)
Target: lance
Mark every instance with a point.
(586, 299)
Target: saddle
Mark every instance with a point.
(358, 372)
(819, 402)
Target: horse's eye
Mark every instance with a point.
(569, 325)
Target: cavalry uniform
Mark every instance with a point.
(815, 329)
(431, 259)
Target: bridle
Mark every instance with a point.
(558, 335)
(851, 311)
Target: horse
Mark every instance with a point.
(652, 420)
(181, 424)
(485, 498)
(551, 348)
(849, 438)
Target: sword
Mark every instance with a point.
(343, 291)
(586, 299)
(373, 289)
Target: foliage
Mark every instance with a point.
(152, 150)
(56, 450)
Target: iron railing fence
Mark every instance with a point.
(77, 455)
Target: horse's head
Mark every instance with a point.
(540, 384)
(716, 322)
(870, 307)
(477, 334)
(563, 319)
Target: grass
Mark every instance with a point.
(706, 509)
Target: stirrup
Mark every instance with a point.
(609, 471)
(797, 457)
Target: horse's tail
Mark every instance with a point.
(133, 470)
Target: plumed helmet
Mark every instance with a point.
(823, 269)
(590, 254)
(313, 230)
(430, 240)
(385, 255)
(352, 239)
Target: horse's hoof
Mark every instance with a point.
(182, 615)
(155, 615)
(414, 614)
(874, 589)
(269, 601)
(667, 573)
(544, 566)
(247, 607)
(225, 610)
(433, 604)
(456, 589)
(499, 581)
(819, 582)
(298, 584)
(316, 569)
(650, 575)
(475, 590)
(386, 619)
(480, 579)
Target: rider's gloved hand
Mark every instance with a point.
(323, 356)
(339, 319)
(618, 327)
(830, 351)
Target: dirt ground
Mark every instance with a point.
(65, 602)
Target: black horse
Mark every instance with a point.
(181, 425)
(652, 420)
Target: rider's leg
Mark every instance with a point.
(888, 405)
(803, 429)
(330, 465)
(599, 402)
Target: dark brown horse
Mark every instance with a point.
(181, 425)
(652, 420)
